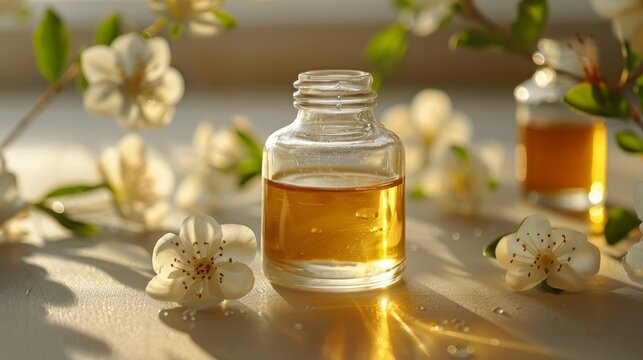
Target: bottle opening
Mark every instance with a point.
(334, 90)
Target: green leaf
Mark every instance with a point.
(251, 144)
(418, 192)
(598, 100)
(619, 223)
(77, 227)
(247, 170)
(476, 39)
(74, 189)
(461, 152)
(175, 31)
(51, 46)
(629, 141)
(490, 250)
(532, 16)
(81, 81)
(493, 184)
(632, 59)
(403, 4)
(227, 20)
(108, 29)
(388, 48)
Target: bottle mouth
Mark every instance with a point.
(334, 90)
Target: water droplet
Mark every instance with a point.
(184, 317)
(367, 213)
(28, 291)
(500, 311)
(298, 326)
(413, 247)
(494, 342)
(437, 328)
(193, 318)
(421, 308)
(165, 313)
(477, 232)
(461, 352)
(455, 236)
(58, 207)
(315, 231)
(338, 106)
(465, 329)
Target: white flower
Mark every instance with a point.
(633, 260)
(132, 81)
(562, 257)
(204, 265)
(428, 124)
(627, 18)
(459, 180)
(141, 183)
(216, 152)
(425, 16)
(198, 15)
(11, 206)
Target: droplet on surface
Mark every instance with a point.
(184, 317)
(165, 313)
(455, 236)
(421, 308)
(437, 328)
(28, 291)
(500, 311)
(461, 352)
(298, 326)
(367, 213)
(193, 318)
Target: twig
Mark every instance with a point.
(42, 103)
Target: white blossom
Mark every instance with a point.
(132, 81)
(197, 15)
(561, 257)
(627, 18)
(142, 183)
(11, 206)
(460, 179)
(217, 152)
(425, 16)
(204, 265)
(633, 260)
(427, 125)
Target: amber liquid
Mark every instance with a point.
(559, 157)
(333, 219)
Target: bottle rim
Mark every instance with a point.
(334, 90)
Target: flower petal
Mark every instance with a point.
(159, 58)
(100, 64)
(397, 118)
(524, 279)
(238, 280)
(167, 248)
(565, 279)
(240, 243)
(131, 51)
(204, 24)
(103, 99)
(200, 229)
(573, 249)
(110, 169)
(131, 116)
(633, 262)
(505, 250)
(535, 232)
(429, 110)
(165, 289)
(171, 88)
(155, 112)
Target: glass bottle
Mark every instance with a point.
(333, 190)
(561, 155)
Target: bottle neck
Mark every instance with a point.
(340, 94)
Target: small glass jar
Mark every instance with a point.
(561, 155)
(333, 190)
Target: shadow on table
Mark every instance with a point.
(404, 321)
(27, 293)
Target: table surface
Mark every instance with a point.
(65, 297)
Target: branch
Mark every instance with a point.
(42, 103)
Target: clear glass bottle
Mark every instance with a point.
(333, 190)
(561, 155)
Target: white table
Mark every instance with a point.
(84, 298)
